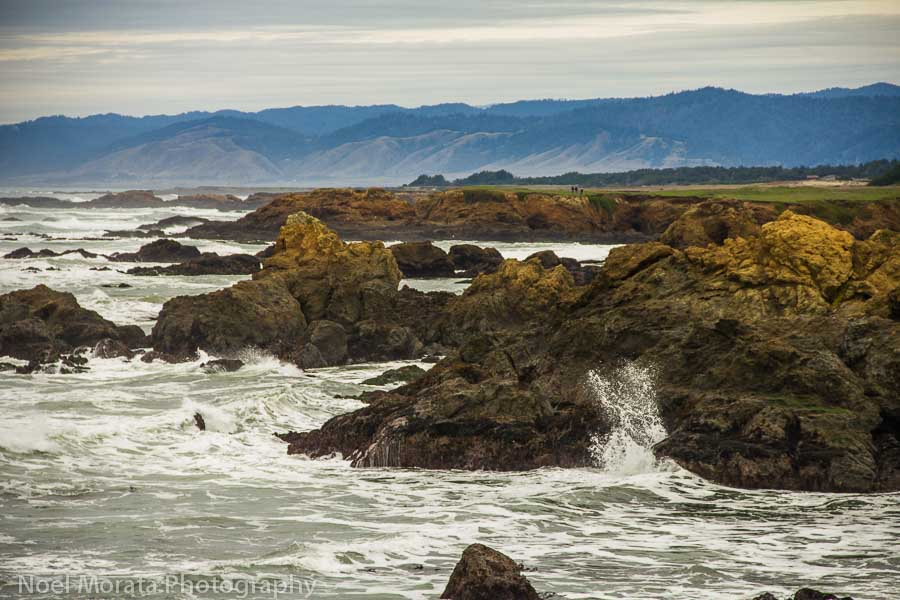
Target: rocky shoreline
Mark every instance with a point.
(773, 349)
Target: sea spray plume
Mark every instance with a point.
(627, 396)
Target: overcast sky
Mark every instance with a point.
(167, 56)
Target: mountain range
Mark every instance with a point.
(390, 144)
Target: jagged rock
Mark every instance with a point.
(475, 260)
(199, 421)
(227, 365)
(405, 374)
(774, 361)
(164, 250)
(40, 324)
(207, 264)
(137, 233)
(110, 348)
(711, 222)
(317, 278)
(422, 259)
(153, 355)
(116, 285)
(482, 573)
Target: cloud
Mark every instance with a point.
(171, 56)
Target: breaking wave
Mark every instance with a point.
(627, 395)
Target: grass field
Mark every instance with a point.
(786, 194)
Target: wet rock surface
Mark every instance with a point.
(164, 250)
(775, 362)
(41, 324)
(483, 573)
(205, 264)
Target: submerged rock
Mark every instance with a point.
(227, 365)
(482, 573)
(199, 421)
(422, 259)
(40, 324)
(47, 253)
(405, 374)
(164, 250)
(206, 264)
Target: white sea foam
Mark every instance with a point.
(627, 395)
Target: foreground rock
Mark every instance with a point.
(482, 573)
(316, 302)
(206, 264)
(713, 222)
(164, 250)
(405, 374)
(805, 594)
(422, 259)
(41, 324)
(774, 361)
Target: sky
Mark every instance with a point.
(168, 56)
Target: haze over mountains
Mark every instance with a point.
(389, 144)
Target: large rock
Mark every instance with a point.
(474, 260)
(774, 361)
(261, 314)
(164, 250)
(482, 573)
(422, 259)
(39, 324)
(346, 292)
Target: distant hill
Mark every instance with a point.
(389, 144)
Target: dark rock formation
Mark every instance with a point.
(176, 221)
(226, 365)
(474, 260)
(206, 264)
(47, 253)
(422, 259)
(405, 374)
(482, 573)
(40, 324)
(804, 594)
(262, 314)
(775, 361)
(164, 250)
(110, 348)
(199, 421)
(129, 199)
(136, 233)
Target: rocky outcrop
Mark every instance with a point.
(482, 573)
(422, 259)
(774, 360)
(317, 302)
(147, 199)
(129, 199)
(581, 274)
(405, 374)
(206, 264)
(40, 324)
(711, 223)
(164, 250)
